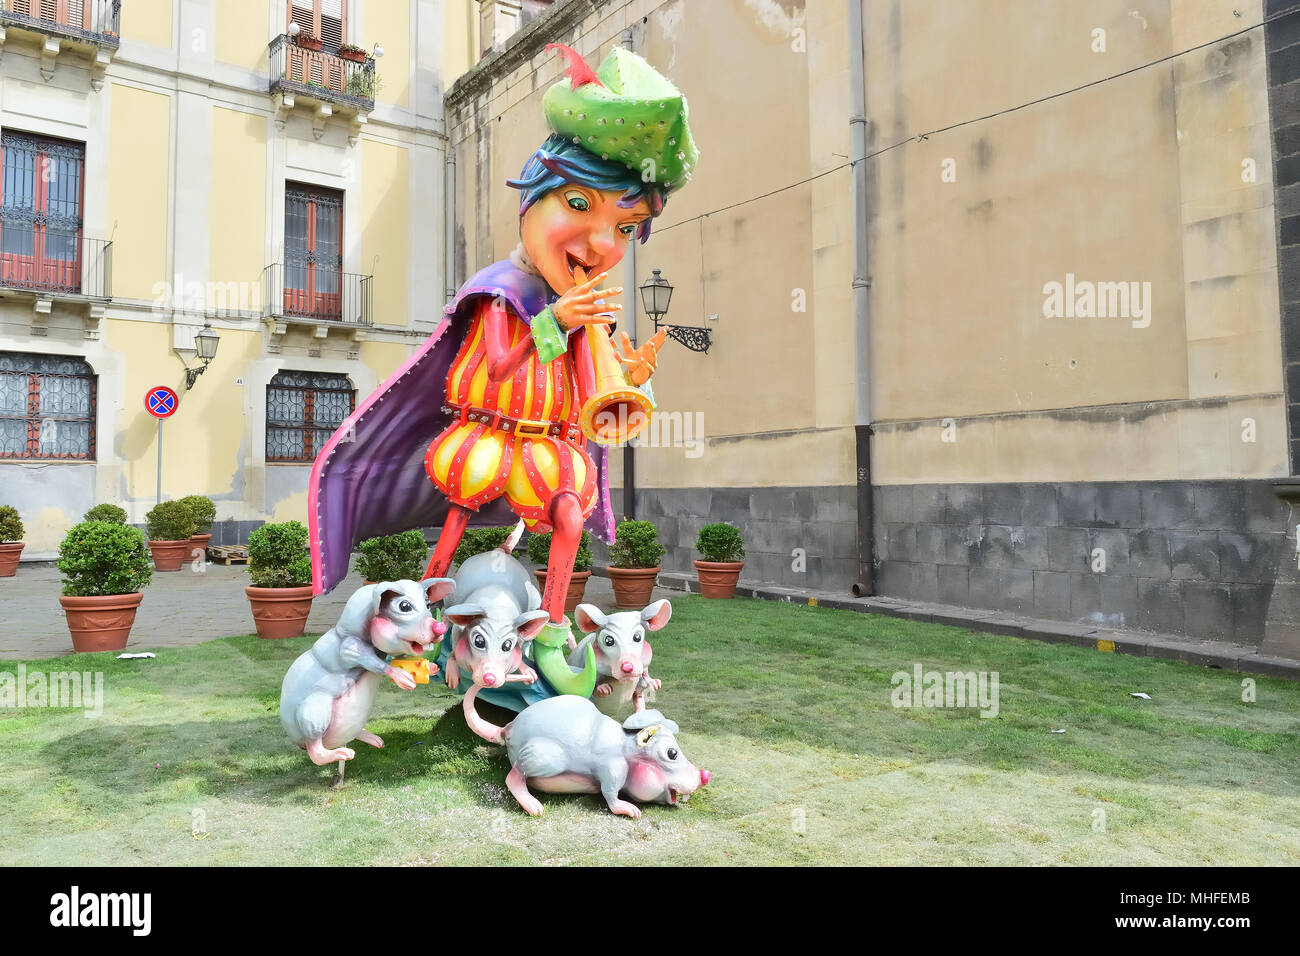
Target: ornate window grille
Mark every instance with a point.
(41, 191)
(47, 407)
(302, 410)
(313, 252)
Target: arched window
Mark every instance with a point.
(302, 410)
(47, 406)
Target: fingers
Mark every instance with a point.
(587, 320)
(625, 342)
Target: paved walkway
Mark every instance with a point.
(180, 608)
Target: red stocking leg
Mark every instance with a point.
(448, 541)
(566, 520)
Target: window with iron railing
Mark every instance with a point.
(47, 407)
(313, 251)
(41, 190)
(302, 410)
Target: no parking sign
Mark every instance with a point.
(160, 402)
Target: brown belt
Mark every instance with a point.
(524, 427)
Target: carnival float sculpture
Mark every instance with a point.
(509, 408)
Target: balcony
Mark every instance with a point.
(322, 80)
(52, 264)
(305, 294)
(85, 27)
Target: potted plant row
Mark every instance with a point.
(307, 40)
(722, 550)
(279, 565)
(539, 551)
(393, 557)
(355, 54)
(105, 565)
(11, 540)
(634, 562)
(204, 512)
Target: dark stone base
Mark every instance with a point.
(1193, 558)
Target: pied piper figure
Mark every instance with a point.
(512, 402)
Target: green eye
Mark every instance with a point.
(578, 202)
(629, 229)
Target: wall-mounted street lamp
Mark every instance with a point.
(294, 29)
(206, 343)
(655, 295)
(378, 52)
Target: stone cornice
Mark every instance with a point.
(520, 48)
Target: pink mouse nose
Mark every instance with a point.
(627, 667)
(490, 680)
(438, 628)
(705, 777)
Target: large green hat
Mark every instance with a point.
(627, 112)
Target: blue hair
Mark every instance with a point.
(559, 161)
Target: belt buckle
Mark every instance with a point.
(532, 429)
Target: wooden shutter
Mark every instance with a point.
(326, 19)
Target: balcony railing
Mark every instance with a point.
(306, 290)
(96, 21)
(322, 74)
(39, 258)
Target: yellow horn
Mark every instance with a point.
(619, 411)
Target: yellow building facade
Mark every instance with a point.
(274, 170)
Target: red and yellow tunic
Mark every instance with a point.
(519, 437)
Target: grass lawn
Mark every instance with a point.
(788, 706)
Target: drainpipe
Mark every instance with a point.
(629, 283)
(865, 584)
(449, 219)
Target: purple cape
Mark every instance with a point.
(369, 479)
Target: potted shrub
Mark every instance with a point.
(204, 512)
(169, 526)
(105, 564)
(634, 563)
(394, 557)
(307, 40)
(105, 512)
(280, 566)
(722, 549)
(11, 544)
(478, 540)
(357, 54)
(539, 549)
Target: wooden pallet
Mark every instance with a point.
(228, 554)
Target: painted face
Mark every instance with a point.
(577, 225)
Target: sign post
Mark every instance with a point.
(160, 402)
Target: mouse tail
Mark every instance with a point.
(512, 542)
(488, 731)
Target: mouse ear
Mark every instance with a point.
(656, 615)
(463, 615)
(382, 590)
(589, 618)
(528, 624)
(436, 589)
(643, 719)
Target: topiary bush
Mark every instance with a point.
(394, 557)
(636, 545)
(278, 556)
(478, 540)
(105, 512)
(202, 510)
(11, 525)
(103, 557)
(539, 549)
(720, 542)
(169, 521)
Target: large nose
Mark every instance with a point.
(602, 241)
(628, 667)
(705, 777)
(490, 679)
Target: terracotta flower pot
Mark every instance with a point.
(718, 578)
(170, 555)
(100, 622)
(308, 43)
(280, 612)
(353, 56)
(577, 587)
(633, 586)
(9, 552)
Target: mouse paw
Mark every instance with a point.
(532, 806)
(625, 809)
(603, 690)
(527, 673)
(366, 737)
(452, 677)
(656, 683)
